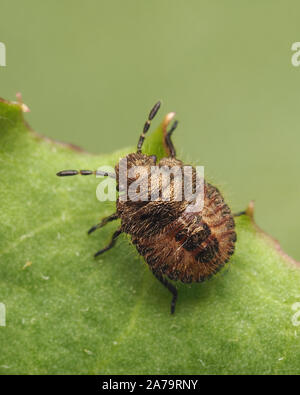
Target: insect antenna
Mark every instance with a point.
(66, 173)
(152, 114)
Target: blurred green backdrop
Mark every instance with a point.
(90, 71)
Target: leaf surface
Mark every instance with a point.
(68, 313)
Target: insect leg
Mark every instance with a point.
(111, 244)
(103, 222)
(147, 126)
(169, 142)
(171, 288)
(239, 214)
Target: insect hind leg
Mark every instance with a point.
(170, 287)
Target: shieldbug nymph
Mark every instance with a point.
(177, 245)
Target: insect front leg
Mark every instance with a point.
(170, 287)
(168, 141)
(103, 222)
(111, 244)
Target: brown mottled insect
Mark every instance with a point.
(176, 244)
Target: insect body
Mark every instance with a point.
(176, 244)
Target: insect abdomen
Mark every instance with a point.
(195, 245)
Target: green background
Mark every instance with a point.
(91, 70)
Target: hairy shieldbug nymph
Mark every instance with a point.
(176, 244)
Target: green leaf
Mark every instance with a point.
(154, 144)
(69, 313)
